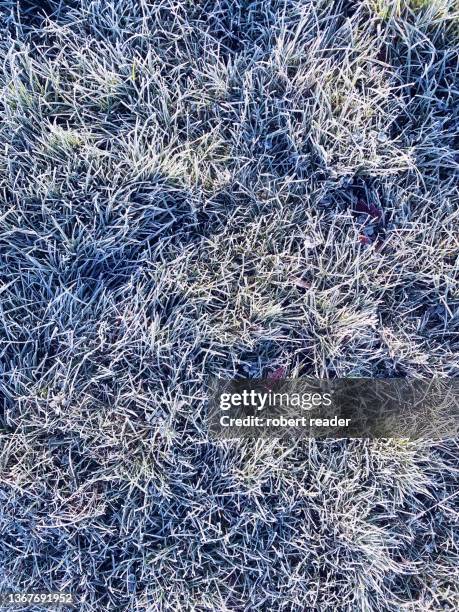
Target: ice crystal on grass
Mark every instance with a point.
(225, 189)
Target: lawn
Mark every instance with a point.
(206, 189)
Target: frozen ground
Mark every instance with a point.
(223, 188)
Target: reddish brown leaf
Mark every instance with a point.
(277, 374)
(364, 239)
(274, 376)
(368, 209)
